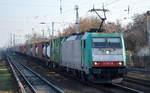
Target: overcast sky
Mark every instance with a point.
(21, 17)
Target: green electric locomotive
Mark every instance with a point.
(98, 57)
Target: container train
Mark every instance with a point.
(97, 57)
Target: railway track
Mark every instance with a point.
(139, 69)
(20, 84)
(130, 90)
(112, 88)
(137, 81)
(116, 87)
(32, 82)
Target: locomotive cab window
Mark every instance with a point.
(99, 43)
(114, 42)
(106, 42)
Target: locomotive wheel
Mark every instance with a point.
(83, 76)
(91, 77)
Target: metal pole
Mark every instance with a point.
(11, 42)
(77, 19)
(43, 32)
(148, 30)
(52, 37)
(14, 40)
(52, 29)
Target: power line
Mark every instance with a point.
(26, 5)
(114, 1)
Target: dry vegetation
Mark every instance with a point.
(5, 78)
(135, 33)
(92, 22)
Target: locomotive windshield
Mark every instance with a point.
(112, 42)
(99, 43)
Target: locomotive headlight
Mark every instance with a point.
(120, 63)
(107, 52)
(95, 63)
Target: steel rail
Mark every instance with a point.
(139, 69)
(137, 81)
(53, 87)
(127, 88)
(22, 89)
(23, 76)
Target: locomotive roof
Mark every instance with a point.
(87, 34)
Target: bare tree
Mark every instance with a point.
(88, 23)
(136, 34)
(35, 38)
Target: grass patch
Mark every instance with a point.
(2, 64)
(5, 78)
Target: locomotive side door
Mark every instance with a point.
(82, 53)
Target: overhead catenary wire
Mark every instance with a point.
(69, 10)
(84, 4)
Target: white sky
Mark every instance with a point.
(20, 16)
